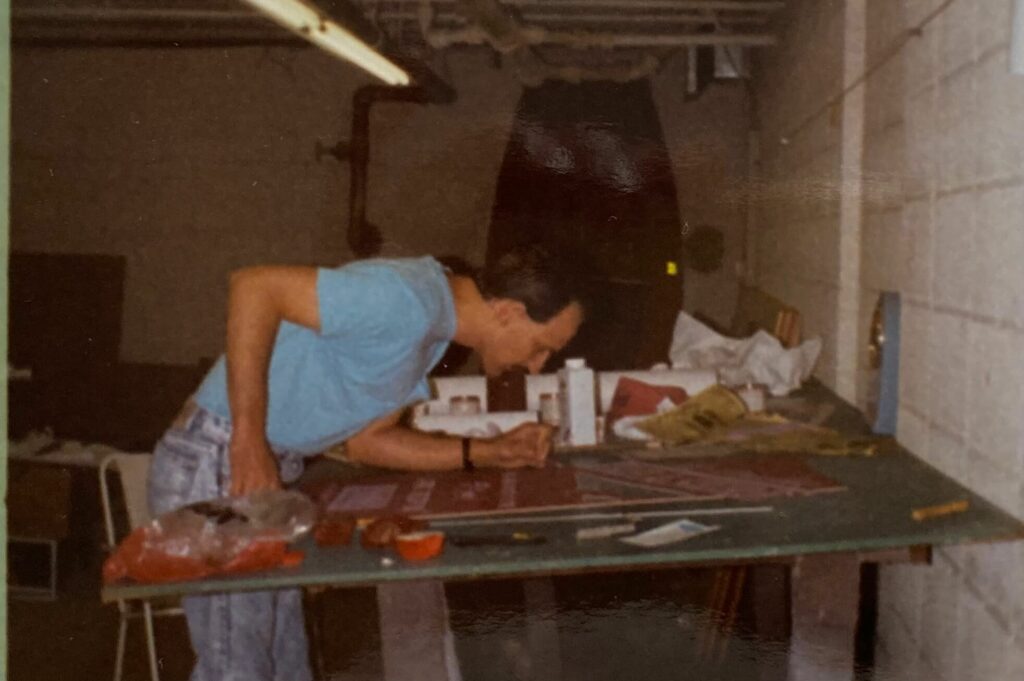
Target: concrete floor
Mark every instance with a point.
(611, 627)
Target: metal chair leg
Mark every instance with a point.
(147, 612)
(313, 602)
(122, 631)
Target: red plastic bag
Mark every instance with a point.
(213, 537)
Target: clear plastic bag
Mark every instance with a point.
(214, 537)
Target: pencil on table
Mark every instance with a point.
(939, 510)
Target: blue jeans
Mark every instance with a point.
(241, 636)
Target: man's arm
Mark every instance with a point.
(259, 299)
(389, 444)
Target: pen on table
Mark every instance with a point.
(509, 539)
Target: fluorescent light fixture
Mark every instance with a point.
(311, 24)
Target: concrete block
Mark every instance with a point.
(922, 152)
(884, 21)
(890, 240)
(874, 258)
(999, 484)
(887, 664)
(994, 570)
(916, 357)
(897, 653)
(956, 36)
(982, 649)
(947, 452)
(917, 249)
(939, 617)
(952, 269)
(900, 589)
(921, 61)
(958, 130)
(991, 25)
(1000, 98)
(995, 394)
(989, 163)
(886, 89)
(883, 174)
(948, 371)
(1015, 658)
(999, 238)
(913, 431)
(917, 10)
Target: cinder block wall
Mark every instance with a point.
(193, 162)
(943, 223)
(796, 233)
(953, 243)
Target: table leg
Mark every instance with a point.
(824, 596)
(769, 584)
(545, 652)
(416, 638)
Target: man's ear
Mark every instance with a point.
(507, 310)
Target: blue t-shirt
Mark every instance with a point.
(384, 324)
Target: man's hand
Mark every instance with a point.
(253, 465)
(258, 300)
(525, 445)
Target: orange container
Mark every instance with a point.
(419, 545)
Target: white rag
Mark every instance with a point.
(759, 359)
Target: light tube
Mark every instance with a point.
(300, 17)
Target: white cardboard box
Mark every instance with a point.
(475, 425)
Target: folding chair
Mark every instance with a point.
(132, 469)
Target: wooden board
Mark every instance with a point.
(756, 310)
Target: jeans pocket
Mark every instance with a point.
(184, 470)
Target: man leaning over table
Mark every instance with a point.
(320, 356)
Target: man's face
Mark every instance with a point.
(517, 341)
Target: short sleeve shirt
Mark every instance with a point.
(384, 324)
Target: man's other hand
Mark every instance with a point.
(525, 445)
(253, 466)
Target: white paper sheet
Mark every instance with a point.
(759, 359)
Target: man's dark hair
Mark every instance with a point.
(537, 277)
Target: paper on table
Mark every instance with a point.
(759, 359)
(669, 533)
(604, 531)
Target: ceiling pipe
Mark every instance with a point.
(534, 16)
(536, 35)
(680, 5)
(491, 24)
